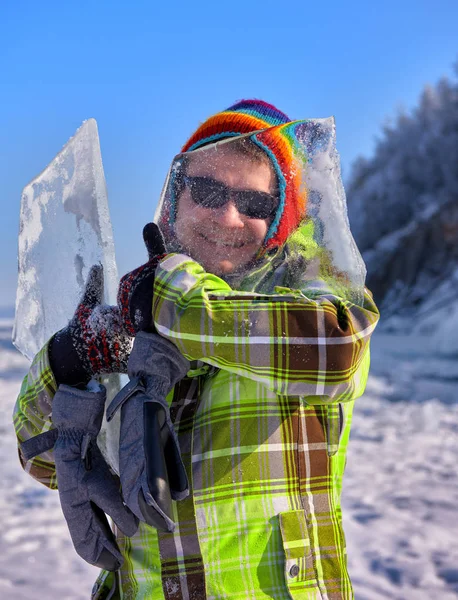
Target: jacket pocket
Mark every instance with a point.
(299, 569)
(335, 424)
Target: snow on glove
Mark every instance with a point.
(94, 341)
(135, 293)
(87, 488)
(152, 472)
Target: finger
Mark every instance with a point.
(104, 492)
(154, 241)
(91, 535)
(110, 557)
(111, 504)
(93, 291)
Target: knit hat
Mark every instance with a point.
(243, 117)
(275, 135)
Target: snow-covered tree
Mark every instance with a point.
(403, 202)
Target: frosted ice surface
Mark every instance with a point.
(327, 202)
(65, 228)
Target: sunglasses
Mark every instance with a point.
(210, 193)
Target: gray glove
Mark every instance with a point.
(152, 472)
(87, 488)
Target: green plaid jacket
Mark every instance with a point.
(263, 422)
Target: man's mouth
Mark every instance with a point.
(224, 244)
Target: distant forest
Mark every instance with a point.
(403, 201)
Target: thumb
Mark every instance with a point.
(93, 290)
(154, 241)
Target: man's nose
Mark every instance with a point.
(229, 216)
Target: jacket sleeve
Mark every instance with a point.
(296, 342)
(32, 416)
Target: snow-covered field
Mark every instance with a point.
(37, 559)
(400, 496)
(400, 490)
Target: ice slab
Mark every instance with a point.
(65, 228)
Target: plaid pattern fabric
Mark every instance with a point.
(255, 456)
(293, 344)
(263, 432)
(32, 415)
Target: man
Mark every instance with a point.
(276, 330)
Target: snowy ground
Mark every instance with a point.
(400, 490)
(400, 496)
(37, 559)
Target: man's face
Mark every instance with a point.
(223, 240)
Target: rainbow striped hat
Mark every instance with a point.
(277, 135)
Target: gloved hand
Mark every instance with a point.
(94, 341)
(87, 488)
(152, 472)
(135, 293)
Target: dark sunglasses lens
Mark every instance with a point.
(209, 193)
(256, 205)
(206, 192)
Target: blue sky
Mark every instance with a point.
(149, 74)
